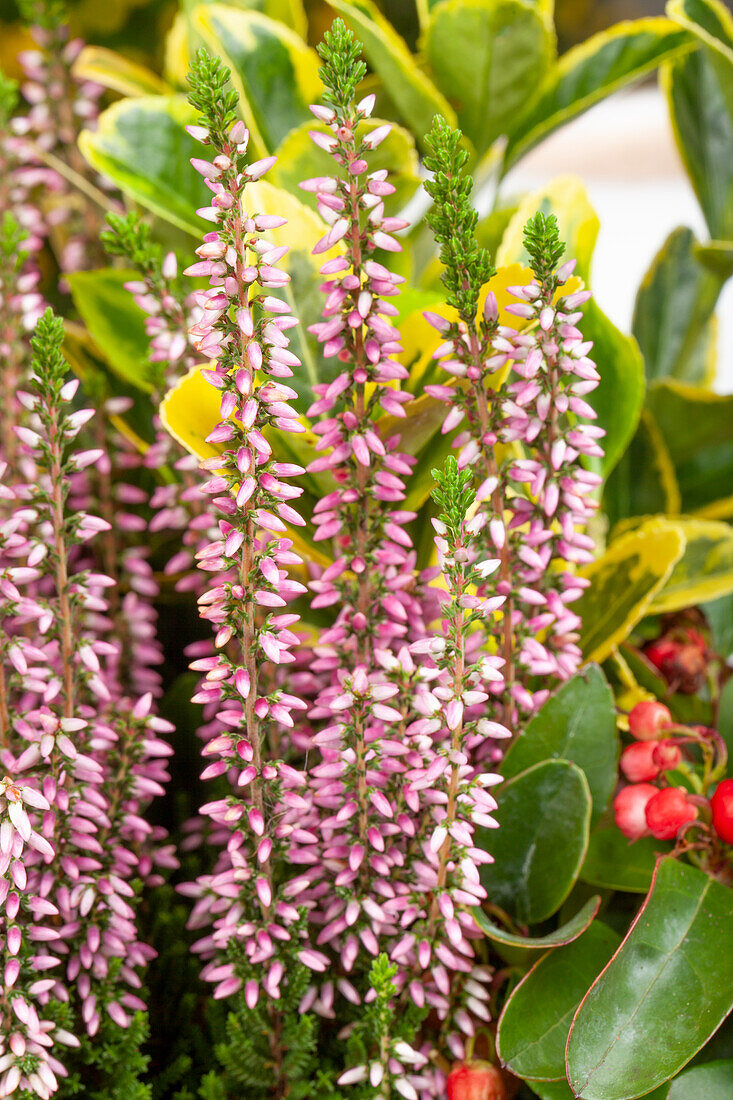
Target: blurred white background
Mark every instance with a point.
(624, 151)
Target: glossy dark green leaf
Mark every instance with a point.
(697, 428)
(539, 847)
(484, 54)
(703, 125)
(615, 863)
(114, 321)
(589, 72)
(559, 938)
(663, 994)
(534, 1025)
(577, 723)
(672, 314)
(142, 147)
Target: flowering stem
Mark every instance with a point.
(456, 744)
(61, 564)
(4, 713)
(497, 504)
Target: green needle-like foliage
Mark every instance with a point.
(543, 246)
(453, 220)
(211, 94)
(342, 70)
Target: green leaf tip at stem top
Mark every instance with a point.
(453, 493)
(342, 70)
(48, 363)
(453, 220)
(543, 245)
(210, 93)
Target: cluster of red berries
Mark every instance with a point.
(643, 809)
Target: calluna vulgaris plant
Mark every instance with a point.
(369, 849)
(354, 715)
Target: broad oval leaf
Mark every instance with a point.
(115, 322)
(563, 935)
(663, 994)
(533, 1027)
(298, 158)
(712, 1081)
(589, 72)
(702, 119)
(141, 146)
(697, 428)
(273, 70)
(705, 570)
(672, 313)
(539, 847)
(484, 54)
(614, 863)
(624, 581)
(577, 723)
(413, 93)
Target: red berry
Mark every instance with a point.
(666, 755)
(637, 761)
(475, 1081)
(668, 811)
(722, 807)
(647, 720)
(629, 808)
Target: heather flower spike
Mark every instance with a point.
(81, 756)
(536, 505)
(254, 940)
